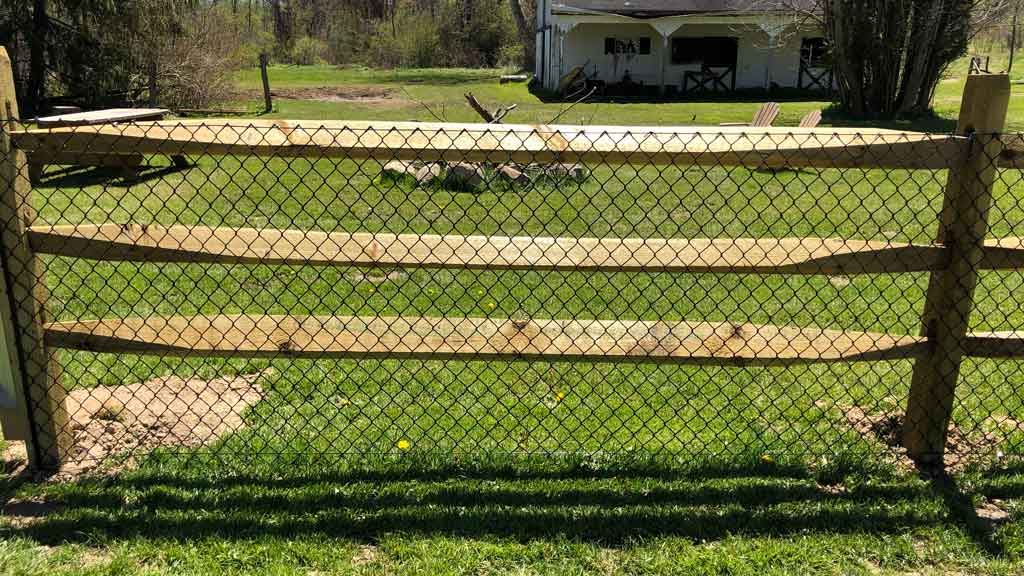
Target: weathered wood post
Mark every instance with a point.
(37, 388)
(268, 105)
(963, 224)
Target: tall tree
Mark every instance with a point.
(526, 34)
(36, 91)
(888, 55)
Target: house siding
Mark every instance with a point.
(758, 62)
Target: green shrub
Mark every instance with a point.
(307, 50)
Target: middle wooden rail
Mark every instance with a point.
(202, 244)
(226, 245)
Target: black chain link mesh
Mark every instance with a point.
(242, 409)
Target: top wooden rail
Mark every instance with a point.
(726, 146)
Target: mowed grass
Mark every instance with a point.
(529, 467)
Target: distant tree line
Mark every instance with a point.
(407, 33)
(102, 51)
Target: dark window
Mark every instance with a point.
(814, 52)
(627, 45)
(711, 51)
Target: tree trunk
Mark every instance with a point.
(888, 55)
(37, 58)
(927, 22)
(1013, 37)
(526, 35)
(280, 13)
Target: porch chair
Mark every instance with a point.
(762, 119)
(811, 119)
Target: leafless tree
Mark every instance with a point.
(524, 28)
(889, 55)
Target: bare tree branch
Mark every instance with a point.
(565, 109)
(429, 110)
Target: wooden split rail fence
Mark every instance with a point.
(33, 403)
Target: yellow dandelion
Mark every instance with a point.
(491, 305)
(559, 395)
(403, 444)
(370, 289)
(767, 459)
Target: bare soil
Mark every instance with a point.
(131, 419)
(351, 94)
(962, 448)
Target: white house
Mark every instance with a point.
(679, 46)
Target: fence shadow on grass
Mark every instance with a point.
(78, 177)
(611, 510)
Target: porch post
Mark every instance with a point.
(665, 27)
(664, 50)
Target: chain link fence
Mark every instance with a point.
(295, 294)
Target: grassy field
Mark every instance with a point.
(494, 468)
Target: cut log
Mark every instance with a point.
(465, 175)
(428, 173)
(506, 78)
(513, 175)
(399, 169)
(560, 171)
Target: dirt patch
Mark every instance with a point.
(992, 511)
(131, 419)
(886, 427)
(351, 94)
(367, 554)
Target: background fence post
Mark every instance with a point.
(963, 224)
(267, 103)
(34, 366)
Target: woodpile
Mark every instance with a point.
(475, 176)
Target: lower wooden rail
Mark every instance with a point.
(478, 338)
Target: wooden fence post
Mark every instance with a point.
(267, 103)
(963, 224)
(34, 366)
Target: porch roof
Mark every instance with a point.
(662, 8)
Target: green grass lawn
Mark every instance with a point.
(533, 467)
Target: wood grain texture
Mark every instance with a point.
(107, 116)
(155, 243)
(1003, 253)
(36, 386)
(995, 344)
(478, 338)
(757, 147)
(963, 224)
